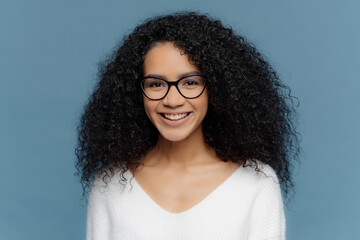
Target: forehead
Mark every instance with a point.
(167, 60)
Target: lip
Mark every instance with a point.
(174, 123)
(174, 113)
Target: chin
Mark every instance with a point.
(174, 137)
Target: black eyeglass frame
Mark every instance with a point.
(171, 84)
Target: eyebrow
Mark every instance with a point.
(179, 76)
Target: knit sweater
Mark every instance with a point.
(247, 205)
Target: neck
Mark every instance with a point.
(192, 150)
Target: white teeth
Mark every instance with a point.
(175, 116)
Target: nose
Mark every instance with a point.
(173, 98)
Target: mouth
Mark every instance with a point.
(174, 117)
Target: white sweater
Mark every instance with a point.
(248, 205)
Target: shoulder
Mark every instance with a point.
(105, 183)
(266, 219)
(257, 172)
(258, 182)
(254, 181)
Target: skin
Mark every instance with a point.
(180, 171)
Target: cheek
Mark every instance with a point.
(146, 106)
(203, 102)
(149, 107)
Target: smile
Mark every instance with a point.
(175, 117)
(175, 120)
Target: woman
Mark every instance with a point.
(188, 135)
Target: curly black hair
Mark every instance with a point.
(251, 113)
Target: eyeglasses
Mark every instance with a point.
(156, 88)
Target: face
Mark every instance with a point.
(176, 118)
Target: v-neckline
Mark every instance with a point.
(192, 208)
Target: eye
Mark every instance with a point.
(154, 83)
(191, 83)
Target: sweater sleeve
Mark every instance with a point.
(267, 220)
(97, 225)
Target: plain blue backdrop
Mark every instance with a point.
(49, 52)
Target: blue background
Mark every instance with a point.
(49, 52)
